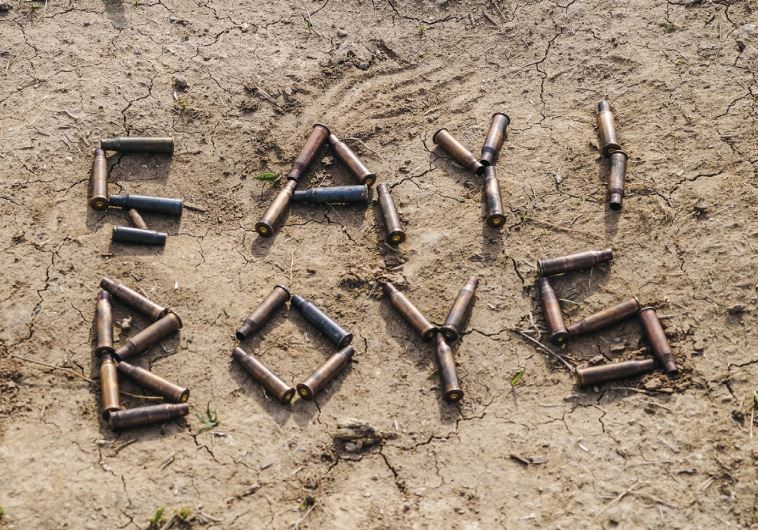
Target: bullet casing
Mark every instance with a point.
(605, 318)
(275, 211)
(109, 392)
(653, 329)
(616, 177)
(493, 200)
(357, 168)
(395, 234)
(264, 376)
(325, 373)
(495, 138)
(457, 150)
(552, 309)
(573, 262)
(409, 312)
(315, 140)
(133, 299)
(264, 312)
(155, 383)
(451, 388)
(333, 194)
(136, 219)
(609, 142)
(103, 324)
(595, 375)
(138, 144)
(147, 415)
(455, 322)
(149, 336)
(145, 203)
(128, 234)
(321, 321)
(98, 194)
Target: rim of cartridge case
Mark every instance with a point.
(395, 237)
(264, 229)
(539, 268)
(453, 396)
(369, 180)
(286, 289)
(496, 220)
(434, 136)
(615, 202)
(166, 312)
(479, 171)
(239, 335)
(611, 148)
(107, 413)
(347, 339)
(98, 203)
(104, 349)
(502, 114)
(619, 151)
(559, 337)
(184, 396)
(305, 392)
(645, 308)
(450, 333)
(429, 333)
(288, 395)
(318, 123)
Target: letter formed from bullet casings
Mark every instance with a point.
(149, 336)
(138, 236)
(139, 144)
(136, 219)
(325, 373)
(109, 392)
(145, 203)
(455, 322)
(609, 142)
(333, 194)
(451, 388)
(264, 312)
(493, 201)
(605, 318)
(573, 262)
(275, 211)
(265, 377)
(133, 299)
(409, 312)
(359, 171)
(103, 324)
(147, 415)
(155, 383)
(595, 375)
(395, 234)
(98, 186)
(321, 321)
(657, 339)
(616, 178)
(456, 149)
(495, 138)
(552, 309)
(308, 153)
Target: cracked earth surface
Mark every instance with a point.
(643, 453)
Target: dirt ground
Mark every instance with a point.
(239, 85)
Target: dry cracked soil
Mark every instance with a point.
(239, 86)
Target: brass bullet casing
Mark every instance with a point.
(265, 377)
(594, 375)
(573, 262)
(609, 142)
(147, 415)
(321, 321)
(155, 383)
(325, 373)
(146, 203)
(103, 324)
(605, 318)
(409, 312)
(133, 299)
(109, 393)
(657, 339)
(136, 219)
(493, 201)
(333, 194)
(455, 322)
(395, 234)
(359, 171)
(456, 149)
(265, 226)
(98, 184)
(451, 388)
(308, 153)
(552, 309)
(139, 144)
(264, 312)
(495, 138)
(149, 336)
(138, 236)
(616, 178)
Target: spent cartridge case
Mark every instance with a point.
(264, 312)
(573, 262)
(98, 186)
(275, 211)
(155, 383)
(134, 299)
(552, 309)
(357, 168)
(495, 138)
(395, 234)
(325, 373)
(103, 324)
(409, 312)
(493, 200)
(455, 322)
(653, 329)
(456, 150)
(616, 178)
(138, 144)
(333, 194)
(605, 318)
(137, 236)
(263, 376)
(136, 219)
(308, 153)
(594, 375)
(451, 388)
(109, 392)
(609, 142)
(145, 203)
(321, 321)
(147, 415)
(149, 336)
